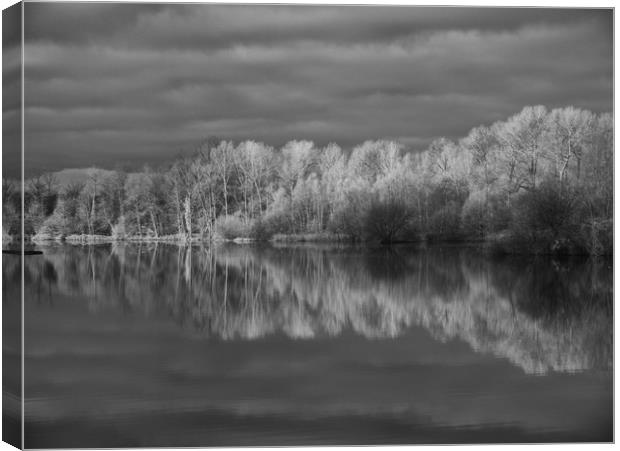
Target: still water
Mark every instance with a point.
(162, 345)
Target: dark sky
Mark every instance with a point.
(123, 83)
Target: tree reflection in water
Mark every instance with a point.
(541, 314)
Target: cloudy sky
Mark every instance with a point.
(111, 84)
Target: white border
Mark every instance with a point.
(488, 3)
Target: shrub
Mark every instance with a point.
(597, 236)
(348, 220)
(262, 230)
(545, 209)
(53, 227)
(474, 216)
(544, 220)
(231, 227)
(446, 223)
(385, 220)
(118, 229)
(480, 218)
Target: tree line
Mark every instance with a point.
(540, 181)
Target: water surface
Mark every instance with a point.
(162, 345)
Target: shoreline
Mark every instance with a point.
(492, 244)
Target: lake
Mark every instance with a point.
(164, 345)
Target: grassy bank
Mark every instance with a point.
(322, 237)
(98, 239)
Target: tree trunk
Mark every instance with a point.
(225, 196)
(260, 200)
(179, 215)
(154, 223)
(188, 217)
(138, 221)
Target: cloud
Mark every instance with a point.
(142, 81)
(11, 91)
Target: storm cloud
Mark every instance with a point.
(110, 84)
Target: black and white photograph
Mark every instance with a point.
(283, 225)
